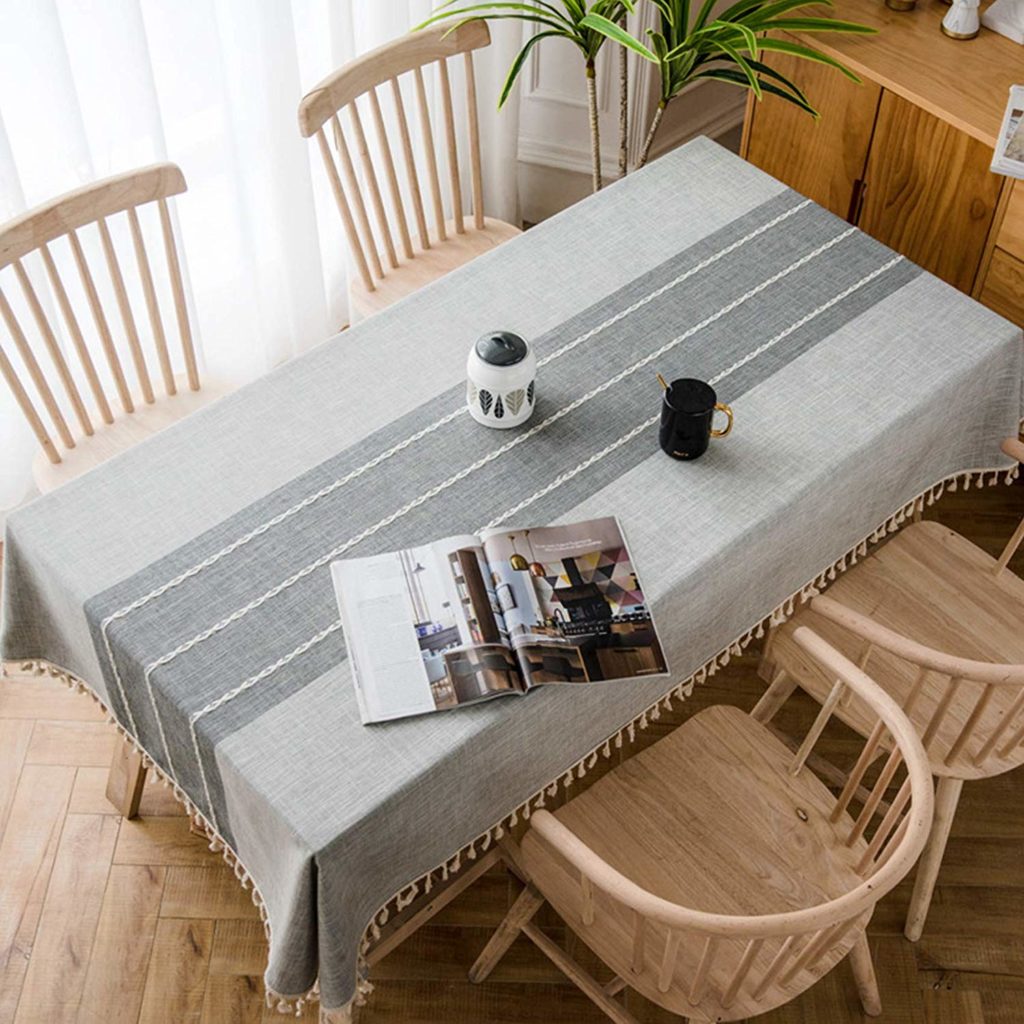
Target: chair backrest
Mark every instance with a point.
(60, 220)
(977, 741)
(360, 79)
(744, 962)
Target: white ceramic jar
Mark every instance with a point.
(501, 376)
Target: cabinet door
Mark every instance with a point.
(1004, 287)
(928, 191)
(823, 159)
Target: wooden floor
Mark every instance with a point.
(104, 920)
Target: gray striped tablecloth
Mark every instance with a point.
(186, 581)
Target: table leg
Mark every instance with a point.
(126, 779)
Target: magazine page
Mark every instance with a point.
(1008, 156)
(573, 604)
(424, 629)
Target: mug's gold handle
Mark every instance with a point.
(722, 407)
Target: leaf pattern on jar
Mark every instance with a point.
(514, 401)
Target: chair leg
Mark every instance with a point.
(126, 780)
(947, 796)
(778, 692)
(864, 975)
(528, 903)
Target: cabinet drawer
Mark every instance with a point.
(1011, 232)
(1004, 286)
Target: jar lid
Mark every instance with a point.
(691, 397)
(501, 348)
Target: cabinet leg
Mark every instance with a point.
(126, 779)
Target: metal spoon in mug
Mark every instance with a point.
(661, 381)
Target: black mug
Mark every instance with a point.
(687, 414)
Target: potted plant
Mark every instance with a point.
(729, 47)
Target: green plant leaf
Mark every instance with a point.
(667, 14)
(807, 53)
(737, 78)
(704, 14)
(764, 71)
(517, 64)
(613, 31)
(737, 57)
(811, 25)
(771, 8)
(526, 12)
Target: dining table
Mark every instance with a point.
(186, 582)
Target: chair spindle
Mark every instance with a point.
(877, 792)
(390, 174)
(775, 967)
(127, 317)
(100, 321)
(352, 188)
(814, 733)
(152, 306)
(700, 977)
(428, 144)
(77, 338)
(867, 755)
(587, 893)
(25, 403)
(639, 941)
(1011, 548)
(453, 156)
(981, 705)
(739, 976)
(476, 171)
(885, 827)
(939, 714)
(370, 175)
(410, 164)
(50, 341)
(668, 960)
(178, 291)
(351, 233)
(35, 373)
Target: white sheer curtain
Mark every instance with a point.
(93, 87)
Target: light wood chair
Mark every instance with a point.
(388, 269)
(900, 613)
(104, 420)
(714, 873)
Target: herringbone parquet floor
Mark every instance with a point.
(104, 920)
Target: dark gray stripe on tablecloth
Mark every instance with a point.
(263, 636)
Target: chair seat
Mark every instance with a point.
(708, 818)
(933, 586)
(428, 265)
(127, 430)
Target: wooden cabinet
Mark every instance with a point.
(905, 155)
(822, 159)
(928, 192)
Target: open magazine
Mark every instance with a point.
(469, 618)
(1008, 156)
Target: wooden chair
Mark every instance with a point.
(388, 269)
(899, 614)
(714, 873)
(104, 420)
